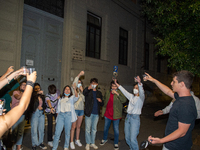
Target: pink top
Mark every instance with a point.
(40, 103)
(15, 101)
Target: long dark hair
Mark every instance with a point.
(63, 95)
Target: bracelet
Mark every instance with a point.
(8, 80)
(30, 83)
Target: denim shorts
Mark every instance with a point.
(79, 112)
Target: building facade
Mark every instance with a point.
(92, 35)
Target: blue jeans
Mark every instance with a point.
(18, 130)
(37, 126)
(131, 129)
(91, 128)
(115, 127)
(63, 120)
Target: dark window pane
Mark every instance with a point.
(93, 40)
(123, 46)
(55, 7)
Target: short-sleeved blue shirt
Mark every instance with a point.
(184, 111)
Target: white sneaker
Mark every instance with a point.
(66, 149)
(77, 142)
(87, 147)
(116, 147)
(50, 143)
(72, 146)
(94, 146)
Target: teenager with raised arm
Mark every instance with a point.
(112, 112)
(79, 109)
(178, 132)
(9, 119)
(132, 121)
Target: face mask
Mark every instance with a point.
(94, 86)
(79, 85)
(22, 90)
(53, 94)
(135, 91)
(66, 94)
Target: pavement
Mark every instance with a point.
(150, 125)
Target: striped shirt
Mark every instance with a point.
(54, 101)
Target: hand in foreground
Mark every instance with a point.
(32, 77)
(4, 110)
(153, 140)
(158, 113)
(148, 77)
(99, 100)
(10, 70)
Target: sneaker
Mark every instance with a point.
(94, 146)
(103, 142)
(50, 143)
(72, 146)
(33, 147)
(66, 149)
(42, 146)
(87, 147)
(77, 142)
(116, 147)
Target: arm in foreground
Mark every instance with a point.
(180, 132)
(9, 119)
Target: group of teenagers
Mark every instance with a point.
(68, 109)
(75, 101)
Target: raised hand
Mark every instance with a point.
(138, 79)
(115, 80)
(81, 73)
(148, 77)
(32, 77)
(10, 70)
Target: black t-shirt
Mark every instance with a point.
(184, 111)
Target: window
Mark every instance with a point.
(55, 7)
(93, 41)
(123, 46)
(146, 61)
